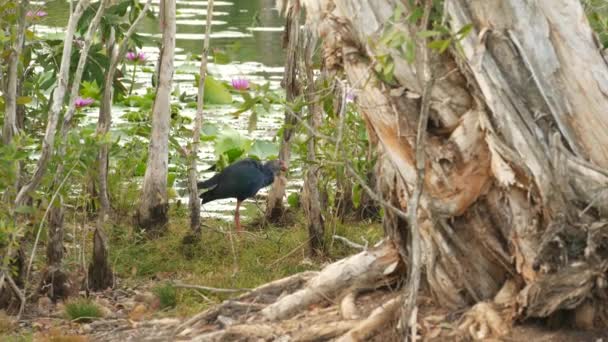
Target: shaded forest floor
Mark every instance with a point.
(149, 302)
(149, 274)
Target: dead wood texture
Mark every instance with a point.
(153, 213)
(516, 151)
(274, 203)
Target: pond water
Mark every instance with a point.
(248, 31)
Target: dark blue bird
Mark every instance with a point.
(240, 180)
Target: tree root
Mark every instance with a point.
(283, 307)
(364, 269)
(376, 320)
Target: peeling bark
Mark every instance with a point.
(513, 143)
(274, 203)
(152, 215)
(194, 201)
(11, 124)
(310, 194)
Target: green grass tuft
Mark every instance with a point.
(167, 295)
(221, 258)
(82, 310)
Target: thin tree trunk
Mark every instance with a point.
(55, 276)
(116, 53)
(100, 274)
(274, 202)
(10, 127)
(195, 204)
(153, 210)
(56, 106)
(311, 198)
(55, 280)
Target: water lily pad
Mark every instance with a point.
(263, 149)
(216, 92)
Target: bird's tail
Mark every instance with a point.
(207, 184)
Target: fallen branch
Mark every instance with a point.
(258, 295)
(361, 270)
(350, 243)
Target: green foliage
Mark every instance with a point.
(216, 92)
(167, 295)
(597, 12)
(82, 310)
(293, 200)
(396, 37)
(263, 149)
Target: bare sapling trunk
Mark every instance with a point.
(153, 210)
(116, 53)
(311, 199)
(56, 106)
(195, 204)
(10, 127)
(100, 274)
(274, 203)
(55, 281)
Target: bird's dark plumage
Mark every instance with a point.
(240, 180)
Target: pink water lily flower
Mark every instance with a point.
(240, 84)
(83, 102)
(136, 57)
(36, 14)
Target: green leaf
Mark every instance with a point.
(264, 149)
(356, 192)
(253, 121)
(230, 140)
(216, 92)
(440, 45)
(293, 200)
(465, 30)
(24, 209)
(23, 100)
(171, 179)
(428, 33)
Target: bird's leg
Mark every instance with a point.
(237, 217)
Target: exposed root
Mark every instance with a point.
(483, 321)
(364, 269)
(565, 290)
(280, 309)
(348, 308)
(376, 320)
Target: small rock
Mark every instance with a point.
(86, 328)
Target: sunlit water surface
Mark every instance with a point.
(249, 31)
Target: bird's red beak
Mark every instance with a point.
(283, 166)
